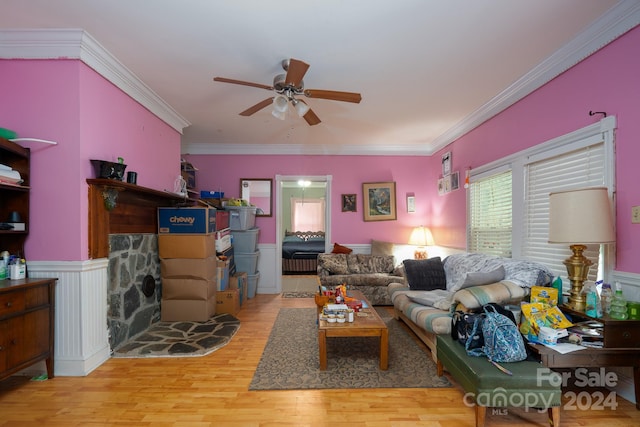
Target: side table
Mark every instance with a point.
(593, 357)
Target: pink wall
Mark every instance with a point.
(348, 173)
(90, 118)
(606, 81)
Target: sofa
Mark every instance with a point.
(434, 288)
(370, 274)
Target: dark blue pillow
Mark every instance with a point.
(425, 274)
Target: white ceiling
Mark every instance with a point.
(428, 70)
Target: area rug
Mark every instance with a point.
(298, 294)
(290, 358)
(181, 339)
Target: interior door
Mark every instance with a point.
(283, 183)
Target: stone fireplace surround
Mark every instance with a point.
(132, 257)
(124, 232)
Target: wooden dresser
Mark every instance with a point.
(26, 324)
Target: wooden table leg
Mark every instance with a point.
(322, 348)
(636, 384)
(384, 349)
(554, 416)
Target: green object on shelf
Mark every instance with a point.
(7, 133)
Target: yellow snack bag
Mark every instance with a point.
(534, 313)
(544, 295)
(556, 319)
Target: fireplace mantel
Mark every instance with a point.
(133, 211)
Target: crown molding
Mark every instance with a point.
(75, 43)
(301, 149)
(617, 21)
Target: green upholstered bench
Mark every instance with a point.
(531, 385)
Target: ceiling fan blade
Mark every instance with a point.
(295, 72)
(240, 82)
(311, 118)
(334, 95)
(259, 106)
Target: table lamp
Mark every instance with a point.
(421, 237)
(580, 217)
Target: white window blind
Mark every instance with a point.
(307, 214)
(581, 168)
(490, 222)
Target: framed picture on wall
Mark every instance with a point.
(446, 163)
(447, 183)
(349, 203)
(379, 201)
(455, 181)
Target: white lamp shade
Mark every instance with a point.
(278, 114)
(581, 217)
(280, 103)
(301, 108)
(421, 236)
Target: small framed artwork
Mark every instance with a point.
(446, 163)
(440, 186)
(349, 203)
(455, 181)
(411, 203)
(379, 201)
(447, 183)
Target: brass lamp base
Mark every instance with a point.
(577, 270)
(420, 253)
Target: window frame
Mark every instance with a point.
(518, 162)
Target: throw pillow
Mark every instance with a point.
(480, 278)
(425, 274)
(379, 247)
(339, 249)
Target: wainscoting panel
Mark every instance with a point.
(81, 338)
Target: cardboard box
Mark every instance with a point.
(223, 239)
(187, 310)
(198, 268)
(222, 276)
(186, 245)
(198, 220)
(240, 282)
(184, 288)
(228, 302)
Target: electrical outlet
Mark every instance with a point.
(635, 215)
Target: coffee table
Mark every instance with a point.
(370, 325)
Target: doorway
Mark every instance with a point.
(287, 187)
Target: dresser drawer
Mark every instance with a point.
(622, 334)
(11, 302)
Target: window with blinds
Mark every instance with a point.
(490, 222)
(508, 199)
(581, 168)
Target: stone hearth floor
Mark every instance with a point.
(181, 339)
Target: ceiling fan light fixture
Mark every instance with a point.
(280, 103)
(278, 114)
(301, 107)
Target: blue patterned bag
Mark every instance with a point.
(502, 340)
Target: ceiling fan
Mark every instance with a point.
(287, 87)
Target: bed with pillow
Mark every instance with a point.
(300, 251)
(435, 287)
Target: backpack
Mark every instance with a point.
(502, 340)
(462, 324)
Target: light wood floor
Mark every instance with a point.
(213, 391)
